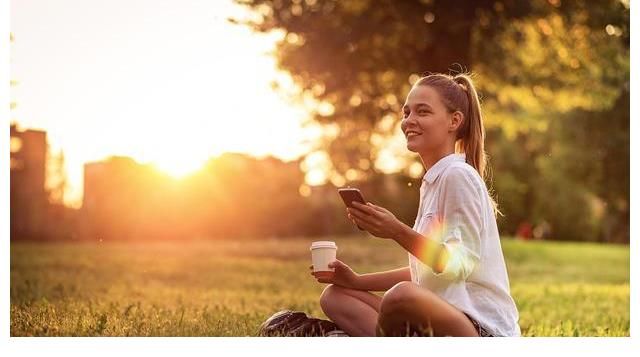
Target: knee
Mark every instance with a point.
(329, 296)
(400, 296)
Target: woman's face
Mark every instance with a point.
(426, 121)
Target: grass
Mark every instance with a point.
(227, 288)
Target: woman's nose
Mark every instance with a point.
(405, 123)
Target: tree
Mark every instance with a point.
(539, 65)
(359, 57)
(584, 191)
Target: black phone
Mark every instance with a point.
(351, 194)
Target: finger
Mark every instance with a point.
(357, 207)
(359, 213)
(365, 224)
(365, 208)
(377, 208)
(365, 220)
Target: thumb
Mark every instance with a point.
(335, 264)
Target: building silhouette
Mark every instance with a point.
(29, 202)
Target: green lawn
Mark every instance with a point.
(228, 288)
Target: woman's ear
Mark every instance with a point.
(457, 118)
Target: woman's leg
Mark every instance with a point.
(354, 311)
(407, 305)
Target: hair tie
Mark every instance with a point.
(464, 88)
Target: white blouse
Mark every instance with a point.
(456, 209)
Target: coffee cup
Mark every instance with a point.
(323, 253)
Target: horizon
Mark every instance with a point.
(161, 89)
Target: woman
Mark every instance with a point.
(456, 282)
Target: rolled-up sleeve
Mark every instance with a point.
(460, 203)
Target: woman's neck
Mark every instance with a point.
(430, 158)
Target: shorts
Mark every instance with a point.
(481, 330)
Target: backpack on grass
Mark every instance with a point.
(287, 323)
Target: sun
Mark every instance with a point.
(184, 155)
(166, 101)
(179, 168)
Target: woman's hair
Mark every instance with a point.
(459, 94)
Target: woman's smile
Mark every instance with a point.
(411, 133)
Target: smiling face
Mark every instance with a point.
(427, 123)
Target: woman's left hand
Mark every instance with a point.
(376, 220)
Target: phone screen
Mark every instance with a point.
(351, 194)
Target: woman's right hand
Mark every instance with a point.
(343, 276)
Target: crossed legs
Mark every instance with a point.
(405, 307)
(355, 311)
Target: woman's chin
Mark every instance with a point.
(412, 147)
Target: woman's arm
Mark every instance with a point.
(430, 251)
(451, 245)
(383, 280)
(382, 223)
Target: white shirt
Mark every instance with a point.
(455, 208)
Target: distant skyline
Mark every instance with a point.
(165, 82)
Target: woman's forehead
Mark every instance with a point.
(422, 94)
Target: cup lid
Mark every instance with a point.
(323, 244)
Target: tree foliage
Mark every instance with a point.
(550, 73)
(534, 59)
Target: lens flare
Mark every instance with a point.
(431, 251)
(442, 253)
(439, 251)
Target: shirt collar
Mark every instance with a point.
(432, 174)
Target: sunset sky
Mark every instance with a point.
(166, 82)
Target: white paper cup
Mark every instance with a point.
(323, 253)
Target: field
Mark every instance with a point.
(227, 288)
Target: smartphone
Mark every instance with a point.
(349, 195)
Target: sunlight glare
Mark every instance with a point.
(175, 90)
